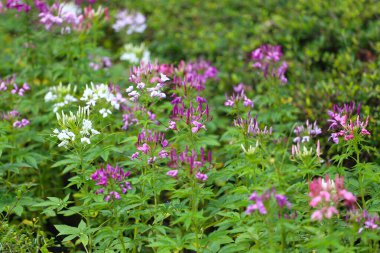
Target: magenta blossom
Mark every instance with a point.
(260, 201)
(200, 176)
(345, 124)
(111, 178)
(267, 58)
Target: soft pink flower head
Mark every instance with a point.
(200, 176)
(172, 173)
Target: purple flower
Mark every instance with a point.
(266, 196)
(200, 176)
(345, 124)
(18, 5)
(259, 205)
(163, 154)
(144, 148)
(172, 125)
(197, 126)
(134, 155)
(282, 201)
(172, 173)
(110, 178)
(21, 124)
(266, 59)
(41, 5)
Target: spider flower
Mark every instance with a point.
(344, 123)
(112, 181)
(328, 196)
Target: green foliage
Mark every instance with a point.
(52, 198)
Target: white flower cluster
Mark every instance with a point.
(153, 92)
(135, 54)
(251, 150)
(135, 21)
(61, 95)
(73, 126)
(94, 93)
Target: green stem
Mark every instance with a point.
(361, 177)
(194, 210)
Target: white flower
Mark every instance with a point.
(129, 89)
(69, 8)
(164, 78)
(85, 140)
(130, 57)
(140, 86)
(251, 150)
(50, 96)
(92, 94)
(105, 112)
(135, 54)
(63, 143)
(94, 132)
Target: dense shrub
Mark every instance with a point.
(189, 126)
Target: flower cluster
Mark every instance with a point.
(344, 124)
(304, 133)
(17, 5)
(75, 127)
(68, 16)
(151, 144)
(61, 95)
(194, 116)
(250, 126)
(98, 63)
(65, 15)
(135, 21)
(192, 160)
(370, 222)
(147, 80)
(9, 84)
(260, 201)
(327, 195)
(299, 151)
(110, 179)
(14, 116)
(135, 54)
(251, 149)
(237, 96)
(267, 58)
(195, 74)
(102, 93)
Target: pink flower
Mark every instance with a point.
(365, 132)
(201, 176)
(144, 148)
(134, 155)
(110, 178)
(330, 211)
(163, 154)
(328, 195)
(317, 215)
(172, 125)
(197, 126)
(21, 124)
(172, 173)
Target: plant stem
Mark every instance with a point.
(361, 177)
(194, 210)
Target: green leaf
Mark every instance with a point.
(67, 230)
